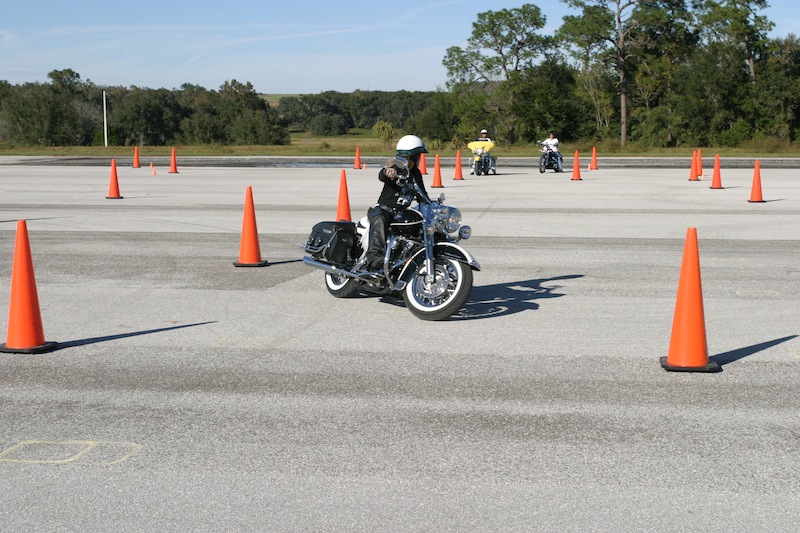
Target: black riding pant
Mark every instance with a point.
(379, 220)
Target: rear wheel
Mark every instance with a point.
(444, 295)
(340, 285)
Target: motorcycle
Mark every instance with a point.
(550, 158)
(423, 261)
(482, 162)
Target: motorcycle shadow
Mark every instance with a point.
(503, 299)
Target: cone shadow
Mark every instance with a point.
(287, 262)
(95, 340)
(740, 353)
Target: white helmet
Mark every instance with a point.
(484, 131)
(410, 146)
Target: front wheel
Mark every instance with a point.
(340, 285)
(478, 168)
(444, 295)
(542, 163)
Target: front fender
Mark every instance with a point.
(441, 249)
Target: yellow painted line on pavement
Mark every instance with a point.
(82, 452)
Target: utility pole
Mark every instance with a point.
(105, 121)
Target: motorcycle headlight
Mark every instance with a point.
(451, 219)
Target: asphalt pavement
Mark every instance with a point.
(187, 394)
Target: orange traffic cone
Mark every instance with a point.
(593, 163)
(458, 175)
(693, 171)
(343, 207)
(576, 168)
(154, 168)
(357, 160)
(688, 349)
(173, 165)
(136, 157)
(249, 251)
(755, 191)
(700, 173)
(716, 177)
(25, 332)
(423, 168)
(113, 185)
(437, 174)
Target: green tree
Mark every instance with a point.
(502, 42)
(246, 117)
(776, 93)
(665, 38)
(708, 99)
(328, 124)
(385, 132)
(47, 114)
(485, 76)
(147, 117)
(597, 87)
(605, 26)
(260, 127)
(438, 120)
(737, 23)
(203, 123)
(549, 100)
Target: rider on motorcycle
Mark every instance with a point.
(551, 143)
(380, 215)
(485, 137)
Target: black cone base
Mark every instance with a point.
(259, 264)
(46, 347)
(711, 366)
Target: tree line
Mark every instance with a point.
(658, 73)
(69, 112)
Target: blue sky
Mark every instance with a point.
(287, 47)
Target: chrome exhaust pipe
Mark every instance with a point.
(334, 269)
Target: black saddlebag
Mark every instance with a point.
(332, 241)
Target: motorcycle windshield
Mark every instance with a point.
(477, 145)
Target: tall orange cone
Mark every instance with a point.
(688, 349)
(700, 173)
(693, 171)
(357, 160)
(173, 164)
(249, 251)
(593, 163)
(716, 177)
(458, 175)
(113, 185)
(755, 191)
(437, 174)
(136, 157)
(343, 207)
(25, 332)
(423, 168)
(576, 168)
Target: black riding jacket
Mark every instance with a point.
(391, 189)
